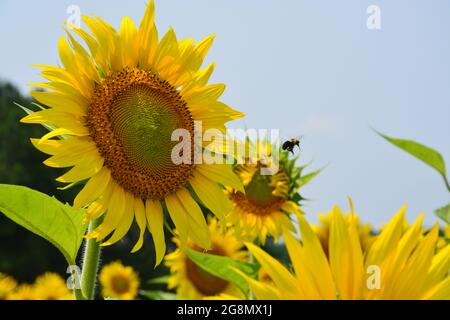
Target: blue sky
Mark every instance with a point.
(310, 68)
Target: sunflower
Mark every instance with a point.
(115, 107)
(50, 286)
(192, 282)
(119, 282)
(398, 265)
(24, 292)
(263, 209)
(7, 286)
(365, 232)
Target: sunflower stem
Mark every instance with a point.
(91, 259)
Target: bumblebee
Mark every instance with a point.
(290, 145)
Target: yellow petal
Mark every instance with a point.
(155, 222)
(139, 212)
(387, 241)
(125, 221)
(83, 170)
(315, 260)
(198, 228)
(441, 291)
(113, 217)
(277, 272)
(59, 102)
(223, 174)
(178, 216)
(93, 189)
(211, 195)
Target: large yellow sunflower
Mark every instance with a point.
(264, 209)
(400, 264)
(115, 106)
(192, 282)
(119, 282)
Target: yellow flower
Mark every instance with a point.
(263, 210)
(24, 292)
(400, 264)
(119, 282)
(7, 286)
(50, 286)
(117, 105)
(192, 282)
(323, 230)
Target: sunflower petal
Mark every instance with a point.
(93, 189)
(155, 222)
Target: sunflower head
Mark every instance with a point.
(322, 230)
(192, 282)
(7, 286)
(50, 286)
(400, 264)
(119, 282)
(264, 208)
(112, 109)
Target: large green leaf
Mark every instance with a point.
(221, 266)
(444, 213)
(45, 216)
(426, 154)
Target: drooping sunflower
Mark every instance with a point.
(119, 281)
(192, 282)
(400, 264)
(269, 199)
(364, 230)
(50, 286)
(115, 106)
(7, 286)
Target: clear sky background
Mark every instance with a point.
(310, 68)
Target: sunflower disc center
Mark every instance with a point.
(131, 119)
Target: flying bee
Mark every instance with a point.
(289, 145)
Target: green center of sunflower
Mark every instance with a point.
(205, 283)
(131, 119)
(259, 191)
(264, 194)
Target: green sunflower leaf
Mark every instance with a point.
(444, 213)
(159, 280)
(221, 267)
(425, 154)
(60, 224)
(157, 295)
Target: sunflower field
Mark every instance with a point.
(123, 176)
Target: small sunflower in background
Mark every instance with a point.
(265, 207)
(408, 265)
(365, 232)
(119, 281)
(7, 286)
(51, 286)
(117, 105)
(192, 282)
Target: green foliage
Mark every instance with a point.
(60, 224)
(426, 154)
(222, 267)
(444, 213)
(157, 295)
